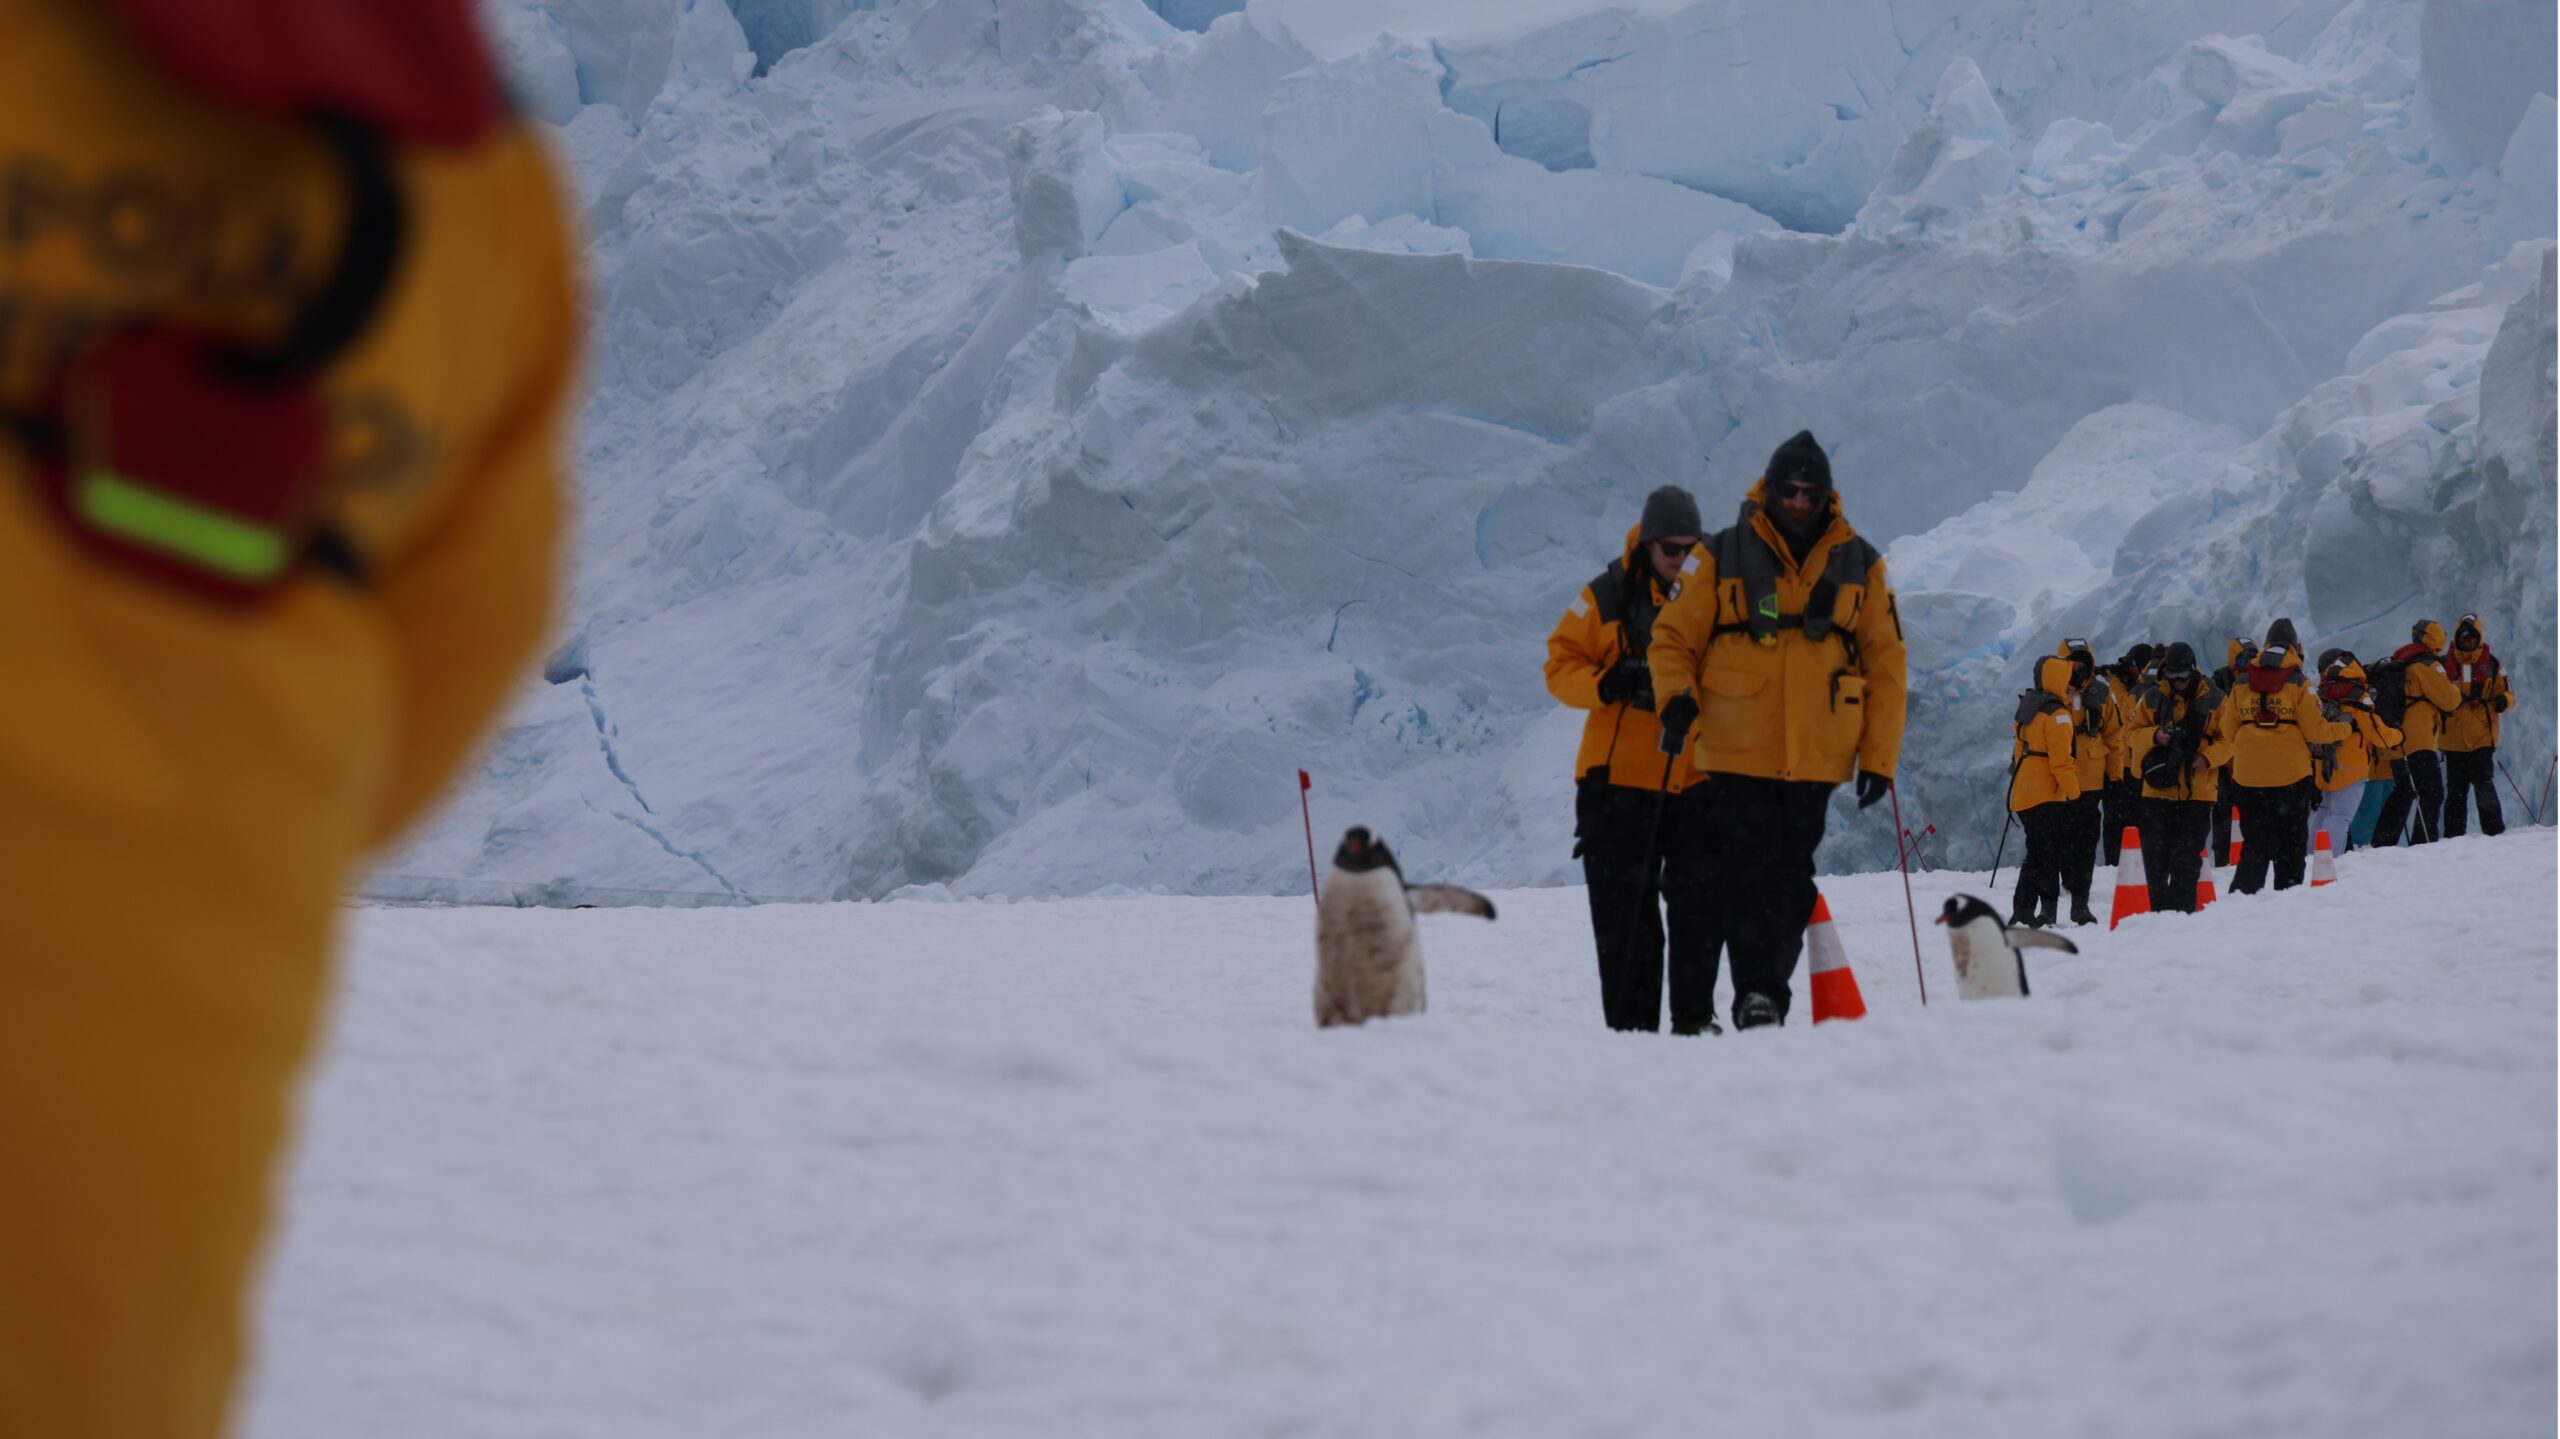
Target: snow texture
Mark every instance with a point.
(1025, 432)
(1088, 1168)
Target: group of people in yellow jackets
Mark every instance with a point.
(1731, 681)
(2152, 743)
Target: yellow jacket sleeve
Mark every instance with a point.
(2221, 733)
(2376, 733)
(1681, 631)
(470, 597)
(1578, 653)
(1886, 665)
(2434, 687)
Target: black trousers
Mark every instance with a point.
(2417, 801)
(2467, 774)
(2121, 810)
(1763, 834)
(2173, 840)
(2081, 823)
(2277, 822)
(2039, 889)
(2221, 822)
(1613, 823)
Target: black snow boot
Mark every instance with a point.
(2080, 910)
(1751, 1011)
(1707, 1025)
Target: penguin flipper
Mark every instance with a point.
(1448, 899)
(2041, 939)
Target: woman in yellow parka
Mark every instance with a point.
(1634, 804)
(2427, 698)
(280, 486)
(2044, 784)
(2097, 744)
(2353, 761)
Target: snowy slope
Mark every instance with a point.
(1086, 1168)
(1026, 431)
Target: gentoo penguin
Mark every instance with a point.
(1988, 964)
(1368, 958)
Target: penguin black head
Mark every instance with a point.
(1361, 852)
(1964, 909)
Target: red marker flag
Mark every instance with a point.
(1306, 818)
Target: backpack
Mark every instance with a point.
(2387, 684)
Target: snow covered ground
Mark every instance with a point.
(1086, 1168)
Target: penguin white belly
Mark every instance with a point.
(1986, 968)
(1368, 955)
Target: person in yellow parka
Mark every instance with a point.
(1783, 648)
(2276, 726)
(2120, 801)
(2045, 782)
(2470, 737)
(2098, 745)
(281, 418)
(2178, 749)
(1634, 805)
(2353, 761)
(2425, 697)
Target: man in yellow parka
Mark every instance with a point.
(2470, 737)
(2425, 698)
(2179, 750)
(1632, 802)
(281, 408)
(2277, 732)
(2044, 786)
(1784, 649)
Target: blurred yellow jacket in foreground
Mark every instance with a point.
(185, 790)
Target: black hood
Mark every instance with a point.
(1800, 459)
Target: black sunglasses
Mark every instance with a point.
(1671, 548)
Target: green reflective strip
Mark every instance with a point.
(218, 542)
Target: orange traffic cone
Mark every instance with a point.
(2204, 878)
(2236, 838)
(2324, 866)
(1835, 984)
(2133, 886)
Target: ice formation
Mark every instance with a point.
(1025, 432)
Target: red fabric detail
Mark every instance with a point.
(2266, 681)
(2468, 675)
(144, 406)
(2410, 651)
(417, 70)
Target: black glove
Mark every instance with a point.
(2500, 703)
(1629, 681)
(1871, 787)
(1677, 716)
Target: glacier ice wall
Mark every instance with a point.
(1024, 432)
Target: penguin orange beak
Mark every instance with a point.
(1941, 919)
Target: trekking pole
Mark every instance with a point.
(2006, 815)
(1895, 792)
(1304, 817)
(2546, 789)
